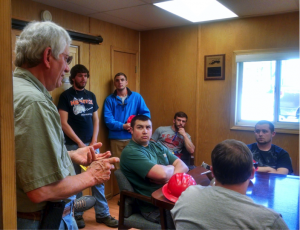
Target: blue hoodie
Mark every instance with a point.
(116, 113)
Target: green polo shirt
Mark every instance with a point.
(135, 163)
(41, 157)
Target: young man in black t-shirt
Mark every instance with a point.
(270, 158)
(79, 119)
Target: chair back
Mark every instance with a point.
(129, 214)
(124, 184)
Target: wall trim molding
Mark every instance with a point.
(20, 24)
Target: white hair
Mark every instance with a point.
(35, 38)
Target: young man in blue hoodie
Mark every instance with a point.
(118, 107)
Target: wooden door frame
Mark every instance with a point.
(136, 53)
(8, 201)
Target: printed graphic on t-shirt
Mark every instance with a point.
(265, 158)
(79, 106)
(169, 142)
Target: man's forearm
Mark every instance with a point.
(188, 144)
(268, 169)
(62, 189)
(160, 174)
(95, 133)
(111, 122)
(95, 130)
(97, 173)
(71, 134)
(284, 171)
(68, 129)
(180, 167)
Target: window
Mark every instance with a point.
(267, 88)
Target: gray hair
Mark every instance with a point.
(35, 38)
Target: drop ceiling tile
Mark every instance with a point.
(61, 4)
(106, 5)
(247, 8)
(119, 21)
(154, 1)
(149, 16)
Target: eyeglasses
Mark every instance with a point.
(68, 58)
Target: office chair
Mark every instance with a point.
(129, 214)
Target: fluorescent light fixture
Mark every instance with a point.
(197, 10)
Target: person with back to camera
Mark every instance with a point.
(225, 205)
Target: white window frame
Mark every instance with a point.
(258, 55)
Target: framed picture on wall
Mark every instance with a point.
(214, 67)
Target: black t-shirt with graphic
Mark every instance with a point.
(80, 106)
(275, 158)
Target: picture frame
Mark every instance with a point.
(214, 67)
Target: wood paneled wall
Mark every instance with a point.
(8, 208)
(29, 10)
(96, 57)
(100, 62)
(169, 74)
(172, 76)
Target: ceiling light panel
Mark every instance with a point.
(197, 10)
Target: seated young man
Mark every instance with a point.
(225, 205)
(270, 158)
(148, 165)
(175, 138)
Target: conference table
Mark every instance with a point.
(275, 191)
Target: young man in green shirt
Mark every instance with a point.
(148, 165)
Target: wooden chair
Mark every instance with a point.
(129, 214)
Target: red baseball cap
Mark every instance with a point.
(176, 185)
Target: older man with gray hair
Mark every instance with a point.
(46, 181)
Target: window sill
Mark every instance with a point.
(277, 130)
